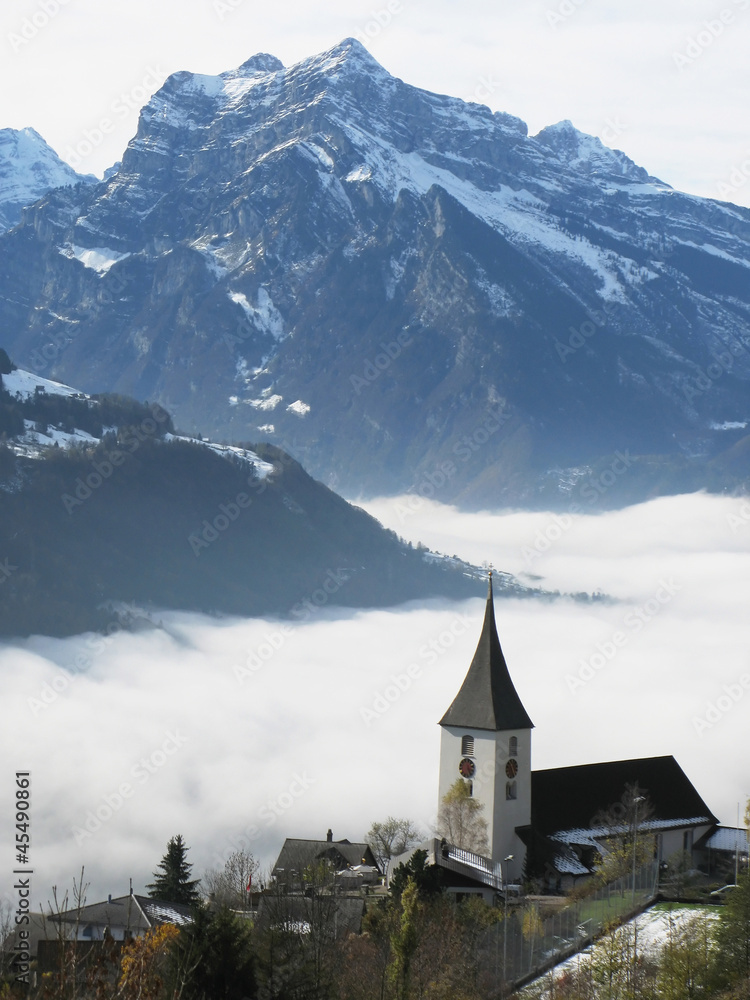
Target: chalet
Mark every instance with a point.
(350, 861)
(120, 918)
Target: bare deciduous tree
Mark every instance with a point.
(391, 838)
(230, 886)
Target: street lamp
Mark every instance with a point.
(638, 799)
(505, 917)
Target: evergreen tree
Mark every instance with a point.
(6, 365)
(173, 883)
(733, 935)
(213, 959)
(428, 879)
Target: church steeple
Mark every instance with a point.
(487, 698)
(485, 741)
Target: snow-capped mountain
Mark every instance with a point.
(403, 289)
(29, 168)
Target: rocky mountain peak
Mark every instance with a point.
(580, 150)
(372, 275)
(259, 64)
(29, 168)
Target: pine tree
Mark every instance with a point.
(6, 365)
(173, 883)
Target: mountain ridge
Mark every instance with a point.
(272, 232)
(104, 505)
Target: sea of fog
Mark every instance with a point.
(239, 733)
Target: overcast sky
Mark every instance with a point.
(666, 82)
(238, 733)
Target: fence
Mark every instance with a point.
(526, 944)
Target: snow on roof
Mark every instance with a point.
(589, 836)
(568, 864)
(165, 913)
(728, 839)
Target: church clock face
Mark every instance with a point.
(511, 768)
(466, 768)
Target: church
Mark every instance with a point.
(547, 825)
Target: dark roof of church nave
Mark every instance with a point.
(569, 798)
(487, 698)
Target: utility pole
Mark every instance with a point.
(505, 919)
(636, 801)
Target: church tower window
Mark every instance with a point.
(513, 746)
(510, 790)
(467, 746)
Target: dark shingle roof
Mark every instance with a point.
(568, 798)
(488, 699)
(131, 912)
(296, 854)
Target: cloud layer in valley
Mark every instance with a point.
(240, 733)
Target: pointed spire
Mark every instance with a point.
(488, 699)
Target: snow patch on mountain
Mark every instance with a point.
(26, 384)
(520, 215)
(265, 403)
(264, 316)
(299, 408)
(99, 259)
(228, 451)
